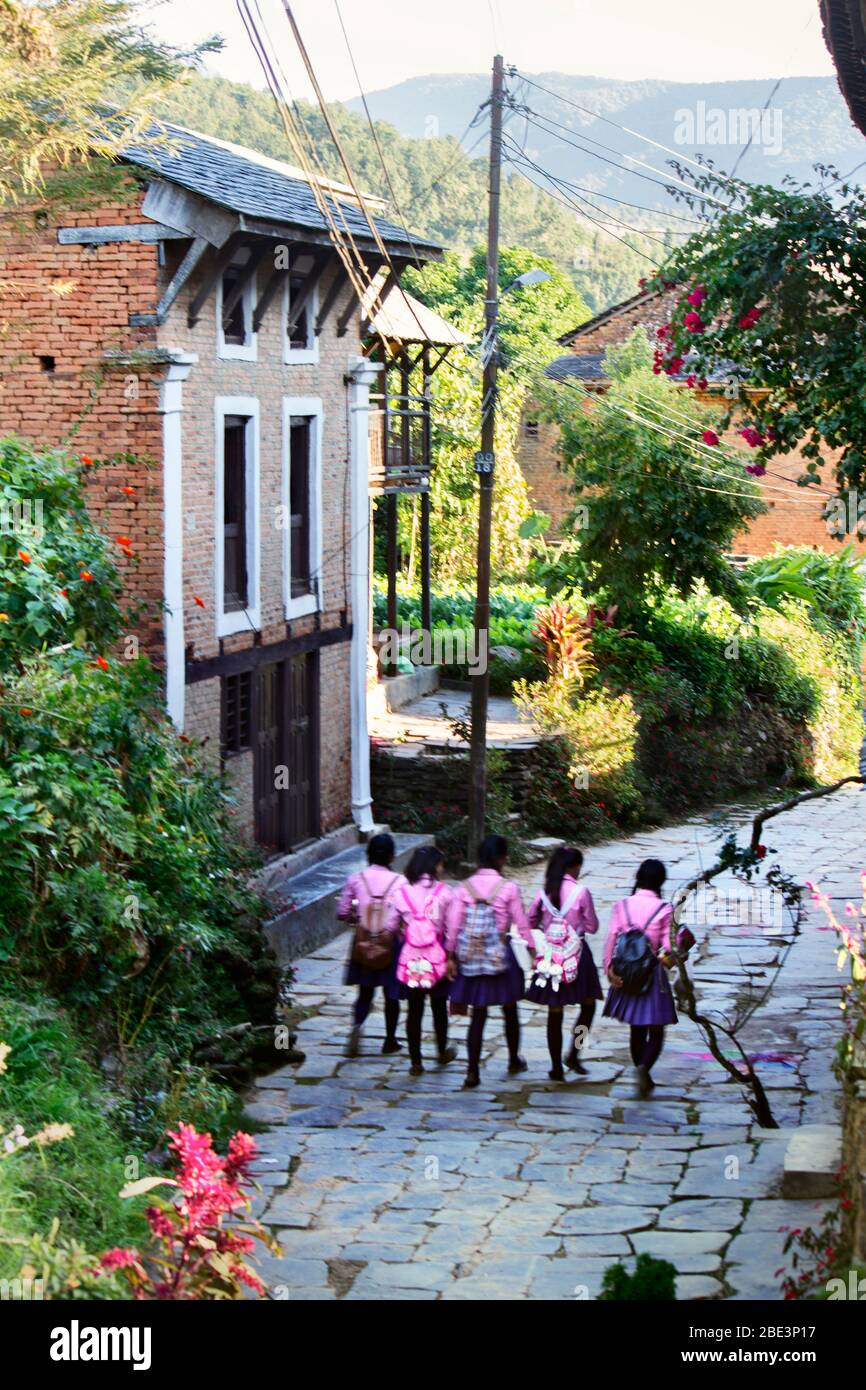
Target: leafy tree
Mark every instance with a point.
(530, 322)
(78, 80)
(776, 285)
(660, 502)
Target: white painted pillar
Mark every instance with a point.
(170, 407)
(362, 375)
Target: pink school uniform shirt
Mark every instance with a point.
(370, 882)
(641, 906)
(507, 906)
(581, 915)
(418, 893)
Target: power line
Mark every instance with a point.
(460, 154)
(748, 143)
(375, 134)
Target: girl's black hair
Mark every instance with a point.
(425, 860)
(492, 849)
(651, 874)
(562, 862)
(381, 850)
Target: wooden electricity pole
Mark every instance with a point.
(484, 464)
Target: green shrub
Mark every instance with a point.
(653, 1281)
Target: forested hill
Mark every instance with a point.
(441, 189)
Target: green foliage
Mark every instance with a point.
(78, 78)
(653, 1281)
(49, 1080)
(831, 585)
(796, 256)
(660, 507)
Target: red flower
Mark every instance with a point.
(751, 318)
(86, 460)
(130, 491)
(752, 436)
(664, 331)
(102, 663)
(24, 557)
(761, 851)
(757, 470)
(62, 592)
(127, 551)
(199, 602)
(86, 576)
(24, 710)
(693, 322)
(703, 384)
(697, 296)
(710, 437)
(119, 1259)
(674, 366)
(123, 540)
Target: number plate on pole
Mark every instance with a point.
(483, 462)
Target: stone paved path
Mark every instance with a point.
(379, 1185)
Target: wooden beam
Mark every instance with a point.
(186, 268)
(266, 299)
(136, 231)
(308, 289)
(232, 663)
(351, 309)
(334, 292)
(246, 274)
(218, 267)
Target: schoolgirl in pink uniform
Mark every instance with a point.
(647, 1014)
(377, 880)
(424, 893)
(482, 991)
(562, 891)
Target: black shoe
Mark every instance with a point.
(391, 1045)
(643, 1082)
(556, 1074)
(449, 1055)
(574, 1063)
(416, 1069)
(353, 1046)
(515, 1065)
(472, 1080)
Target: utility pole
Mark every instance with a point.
(484, 464)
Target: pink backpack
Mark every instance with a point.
(422, 957)
(558, 959)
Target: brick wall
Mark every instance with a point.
(98, 412)
(107, 412)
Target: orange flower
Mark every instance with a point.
(198, 601)
(63, 593)
(127, 551)
(86, 575)
(25, 710)
(102, 663)
(24, 557)
(123, 540)
(86, 460)
(130, 491)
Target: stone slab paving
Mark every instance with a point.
(383, 1186)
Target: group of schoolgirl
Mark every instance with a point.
(416, 938)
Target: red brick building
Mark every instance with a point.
(794, 515)
(200, 339)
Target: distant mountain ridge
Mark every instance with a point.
(806, 122)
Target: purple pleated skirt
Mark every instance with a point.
(586, 985)
(486, 991)
(653, 1009)
(375, 979)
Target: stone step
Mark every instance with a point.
(311, 920)
(812, 1161)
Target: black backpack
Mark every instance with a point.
(634, 959)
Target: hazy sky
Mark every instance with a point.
(396, 39)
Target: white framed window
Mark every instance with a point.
(301, 505)
(300, 343)
(236, 514)
(234, 314)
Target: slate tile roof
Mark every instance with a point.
(254, 185)
(587, 366)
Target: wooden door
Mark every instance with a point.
(286, 745)
(268, 740)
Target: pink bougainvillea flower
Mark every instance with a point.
(697, 296)
(752, 436)
(118, 1258)
(693, 322)
(710, 437)
(757, 470)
